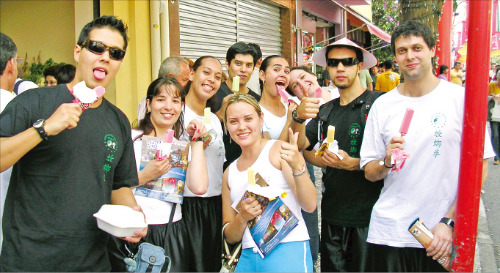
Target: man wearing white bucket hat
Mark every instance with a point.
(348, 197)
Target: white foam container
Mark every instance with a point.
(120, 221)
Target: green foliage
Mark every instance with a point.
(385, 14)
(35, 71)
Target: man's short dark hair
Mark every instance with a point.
(413, 28)
(8, 50)
(241, 48)
(256, 47)
(359, 53)
(65, 73)
(104, 21)
(456, 63)
(388, 64)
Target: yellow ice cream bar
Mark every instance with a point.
(207, 115)
(236, 84)
(331, 134)
(251, 176)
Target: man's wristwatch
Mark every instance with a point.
(447, 221)
(295, 118)
(38, 125)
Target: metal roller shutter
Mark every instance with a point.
(260, 23)
(208, 27)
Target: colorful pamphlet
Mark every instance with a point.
(276, 220)
(170, 186)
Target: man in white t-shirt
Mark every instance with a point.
(8, 66)
(426, 186)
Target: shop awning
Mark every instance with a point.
(373, 29)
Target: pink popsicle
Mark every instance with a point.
(405, 125)
(283, 94)
(169, 136)
(319, 91)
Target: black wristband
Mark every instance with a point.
(295, 118)
(382, 162)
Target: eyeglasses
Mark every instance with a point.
(100, 48)
(345, 62)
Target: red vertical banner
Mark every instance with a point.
(443, 51)
(471, 159)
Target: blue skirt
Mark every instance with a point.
(286, 257)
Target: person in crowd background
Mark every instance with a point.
(443, 72)
(175, 67)
(366, 79)
(202, 214)
(374, 72)
(426, 186)
(456, 73)
(50, 75)
(52, 162)
(65, 73)
(164, 101)
(280, 165)
(253, 83)
(388, 80)
(494, 91)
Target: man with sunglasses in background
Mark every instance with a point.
(67, 163)
(348, 197)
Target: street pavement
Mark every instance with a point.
(487, 259)
(488, 228)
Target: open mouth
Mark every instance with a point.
(167, 116)
(100, 73)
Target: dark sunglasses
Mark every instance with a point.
(100, 48)
(345, 62)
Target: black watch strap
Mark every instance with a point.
(38, 125)
(295, 118)
(447, 221)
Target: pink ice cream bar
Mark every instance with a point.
(86, 96)
(406, 121)
(283, 94)
(169, 136)
(319, 92)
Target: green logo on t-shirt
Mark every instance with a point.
(355, 130)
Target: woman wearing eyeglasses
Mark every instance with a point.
(202, 213)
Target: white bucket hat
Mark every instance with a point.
(369, 59)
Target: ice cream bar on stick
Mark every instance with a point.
(207, 114)
(319, 95)
(283, 94)
(251, 176)
(319, 92)
(236, 84)
(163, 149)
(331, 134)
(405, 125)
(86, 96)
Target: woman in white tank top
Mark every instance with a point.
(281, 165)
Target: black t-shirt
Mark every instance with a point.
(57, 186)
(349, 197)
(233, 150)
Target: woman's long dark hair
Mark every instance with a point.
(154, 90)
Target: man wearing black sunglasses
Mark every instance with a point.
(348, 197)
(67, 164)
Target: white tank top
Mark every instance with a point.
(238, 182)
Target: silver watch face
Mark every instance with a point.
(38, 123)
